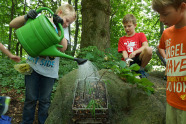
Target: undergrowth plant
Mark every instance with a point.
(129, 74)
(9, 77)
(101, 59)
(66, 66)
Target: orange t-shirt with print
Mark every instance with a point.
(174, 41)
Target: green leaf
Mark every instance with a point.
(146, 82)
(134, 67)
(89, 56)
(122, 64)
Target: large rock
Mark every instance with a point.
(127, 103)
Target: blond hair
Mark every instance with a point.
(129, 18)
(159, 5)
(67, 9)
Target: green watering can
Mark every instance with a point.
(39, 38)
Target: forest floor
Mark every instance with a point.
(16, 104)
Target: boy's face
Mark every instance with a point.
(170, 16)
(130, 28)
(67, 20)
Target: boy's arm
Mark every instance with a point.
(17, 22)
(9, 54)
(125, 54)
(126, 58)
(20, 21)
(162, 52)
(133, 54)
(161, 47)
(63, 43)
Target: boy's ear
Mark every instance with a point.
(183, 6)
(59, 13)
(135, 25)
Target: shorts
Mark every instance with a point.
(174, 115)
(136, 60)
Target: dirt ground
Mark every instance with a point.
(16, 104)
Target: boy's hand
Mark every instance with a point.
(57, 19)
(128, 60)
(132, 55)
(15, 58)
(31, 14)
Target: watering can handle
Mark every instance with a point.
(44, 8)
(60, 26)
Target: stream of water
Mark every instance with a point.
(88, 76)
(87, 70)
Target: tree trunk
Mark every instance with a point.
(69, 29)
(95, 24)
(77, 28)
(21, 47)
(17, 48)
(10, 29)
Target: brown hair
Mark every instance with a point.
(159, 5)
(67, 9)
(129, 18)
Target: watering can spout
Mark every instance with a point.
(53, 51)
(80, 61)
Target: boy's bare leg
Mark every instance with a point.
(145, 56)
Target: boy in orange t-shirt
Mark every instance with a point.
(173, 12)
